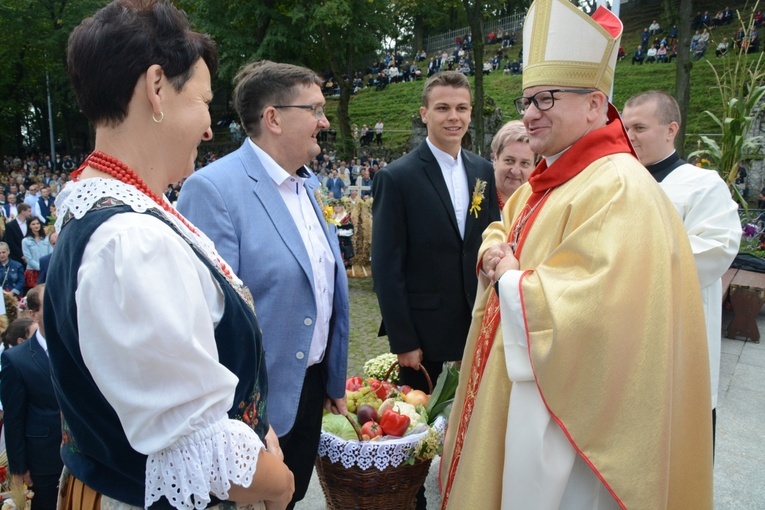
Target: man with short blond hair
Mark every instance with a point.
(426, 233)
(430, 208)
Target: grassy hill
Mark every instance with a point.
(399, 102)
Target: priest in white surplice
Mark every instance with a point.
(702, 199)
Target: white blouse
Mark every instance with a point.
(146, 309)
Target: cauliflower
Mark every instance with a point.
(410, 411)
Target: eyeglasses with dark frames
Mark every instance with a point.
(544, 99)
(318, 110)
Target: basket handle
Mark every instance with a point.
(355, 426)
(419, 367)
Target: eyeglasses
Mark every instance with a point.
(544, 99)
(318, 111)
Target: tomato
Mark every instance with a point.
(393, 423)
(371, 429)
(354, 383)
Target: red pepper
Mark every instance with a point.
(378, 388)
(354, 383)
(393, 423)
(388, 387)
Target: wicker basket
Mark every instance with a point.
(392, 489)
(395, 366)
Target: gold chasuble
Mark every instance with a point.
(615, 329)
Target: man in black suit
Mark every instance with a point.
(430, 209)
(15, 231)
(32, 416)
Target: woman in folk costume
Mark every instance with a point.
(154, 345)
(592, 391)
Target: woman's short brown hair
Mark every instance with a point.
(109, 51)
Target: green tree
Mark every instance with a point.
(683, 71)
(350, 32)
(475, 13)
(339, 36)
(34, 45)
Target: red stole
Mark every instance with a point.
(610, 139)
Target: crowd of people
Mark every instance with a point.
(658, 45)
(173, 373)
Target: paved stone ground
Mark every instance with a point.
(739, 474)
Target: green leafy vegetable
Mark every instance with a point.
(338, 425)
(443, 394)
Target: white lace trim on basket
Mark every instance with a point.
(365, 454)
(202, 464)
(79, 197)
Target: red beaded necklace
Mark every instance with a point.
(120, 171)
(501, 202)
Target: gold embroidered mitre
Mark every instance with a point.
(563, 46)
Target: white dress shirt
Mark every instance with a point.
(456, 181)
(22, 226)
(42, 341)
(293, 192)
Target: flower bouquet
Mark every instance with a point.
(379, 455)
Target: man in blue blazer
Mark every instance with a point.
(259, 205)
(32, 417)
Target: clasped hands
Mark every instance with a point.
(498, 259)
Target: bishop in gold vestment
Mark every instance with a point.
(592, 391)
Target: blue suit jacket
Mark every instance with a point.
(236, 203)
(32, 418)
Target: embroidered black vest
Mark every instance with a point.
(94, 447)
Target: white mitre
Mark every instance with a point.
(563, 46)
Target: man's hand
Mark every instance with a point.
(492, 258)
(506, 263)
(336, 405)
(25, 478)
(272, 444)
(411, 359)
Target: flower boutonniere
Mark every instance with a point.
(478, 197)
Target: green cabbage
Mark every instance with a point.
(338, 425)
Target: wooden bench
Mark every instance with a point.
(726, 279)
(747, 295)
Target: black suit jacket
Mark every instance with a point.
(424, 272)
(32, 417)
(13, 237)
(44, 264)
